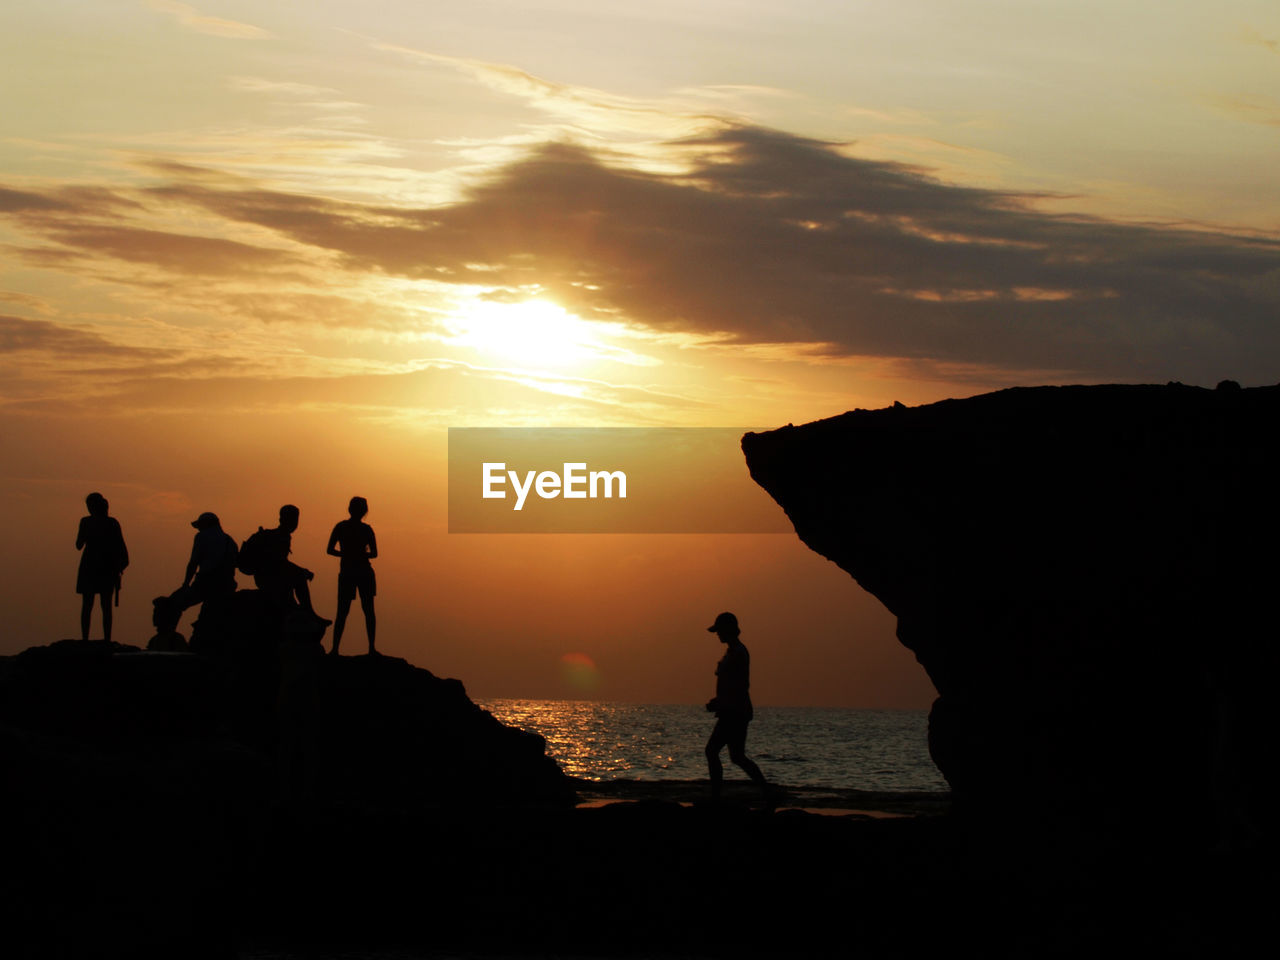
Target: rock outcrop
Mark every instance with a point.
(1087, 575)
(369, 730)
(156, 803)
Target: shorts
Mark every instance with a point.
(729, 731)
(351, 581)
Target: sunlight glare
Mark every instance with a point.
(535, 332)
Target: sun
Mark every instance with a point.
(535, 333)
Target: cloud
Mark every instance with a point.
(19, 201)
(437, 393)
(31, 302)
(1251, 108)
(769, 242)
(177, 252)
(191, 18)
(1252, 36)
(586, 108)
(20, 335)
(90, 222)
(774, 238)
(286, 88)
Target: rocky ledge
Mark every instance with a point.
(1086, 573)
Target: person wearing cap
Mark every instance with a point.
(212, 566)
(732, 707)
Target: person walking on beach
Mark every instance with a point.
(353, 542)
(732, 707)
(103, 558)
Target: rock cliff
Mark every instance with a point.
(1086, 574)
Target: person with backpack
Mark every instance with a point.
(265, 557)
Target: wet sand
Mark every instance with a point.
(826, 801)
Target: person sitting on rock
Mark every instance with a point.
(283, 581)
(211, 571)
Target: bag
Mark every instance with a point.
(253, 553)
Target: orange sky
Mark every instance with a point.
(267, 253)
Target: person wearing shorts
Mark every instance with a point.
(103, 558)
(732, 707)
(353, 542)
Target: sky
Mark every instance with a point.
(269, 252)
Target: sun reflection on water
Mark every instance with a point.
(815, 746)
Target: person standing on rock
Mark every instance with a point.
(732, 707)
(103, 557)
(353, 542)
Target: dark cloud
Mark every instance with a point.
(176, 252)
(18, 201)
(94, 222)
(18, 335)
(774, 238)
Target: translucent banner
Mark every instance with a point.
(605, 480)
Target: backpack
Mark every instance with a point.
(252, 553)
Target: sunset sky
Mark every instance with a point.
(268, 252)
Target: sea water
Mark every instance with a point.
(880, 750)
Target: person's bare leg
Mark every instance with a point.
(303, 593)
(86, 614)
(714, 767)
(370, 620)
(739, 757)
(340, 621)
(106, 616)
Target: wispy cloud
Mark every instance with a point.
(21, 335)
(278, 87)
(191, 18)
(1251, 36)
(592, 112)
(1251, 108)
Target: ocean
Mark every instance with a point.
(825, 747)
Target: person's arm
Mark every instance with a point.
(80, 537)
(331, 549)
(192, 564)
(373, 544)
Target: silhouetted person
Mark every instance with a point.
(353, 542)
(278, 576)
(211, 571)
(732, 707)
(103, 557)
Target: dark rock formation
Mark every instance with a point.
(1086, 574)
(368, 730)
(146, 792)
